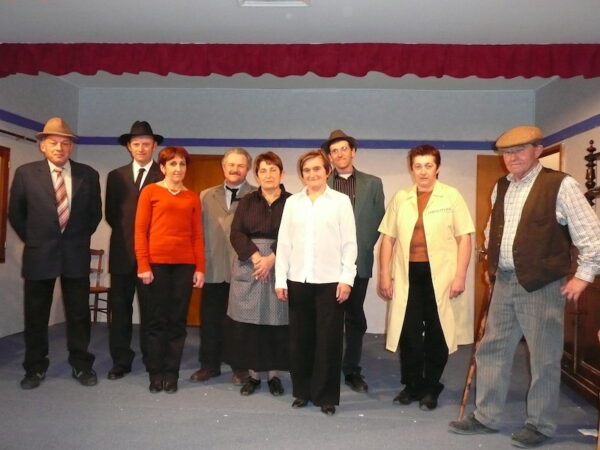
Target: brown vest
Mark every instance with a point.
(541, 246)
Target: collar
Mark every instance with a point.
(238, 187)
(137, 167)
(529, 177)
(336, 174)
(66, 168)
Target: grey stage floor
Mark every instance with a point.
(123, 415)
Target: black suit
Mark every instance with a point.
(49, 254)
(121, 203)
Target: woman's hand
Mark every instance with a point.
(282, 294)
(385, 287)
(198, 279)
(342, 292)
(263, 266)
(146, 277)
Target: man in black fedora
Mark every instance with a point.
(122, 190)
(366, 194)
(55, 207)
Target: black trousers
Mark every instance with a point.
(213, 311)
(355, 326)
(316, 340)
(423, 349)
(38, 301)
(166, 302)
(122, 290)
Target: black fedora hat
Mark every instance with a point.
(338, 135)
(138, 128)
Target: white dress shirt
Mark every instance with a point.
(317, 240)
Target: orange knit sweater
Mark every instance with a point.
(168, 229)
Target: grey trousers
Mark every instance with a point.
(513, 313)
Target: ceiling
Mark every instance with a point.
(323, 21)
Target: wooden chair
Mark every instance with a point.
(97, 290)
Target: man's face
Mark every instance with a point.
(341, 156)
(141, 148)
(521, 159)
(235, 169)
(57, 149)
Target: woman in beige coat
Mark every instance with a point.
(423, 258)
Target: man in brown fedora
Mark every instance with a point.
(366, 194)
(55, 207)
(123, 186)
(537, 215)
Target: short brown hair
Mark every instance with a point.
(168, 153)
(314, 154)
(424, 150)
(270, 158)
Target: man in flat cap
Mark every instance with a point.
(366, 194)
(537, 214)
(55, 207)
(123, 186)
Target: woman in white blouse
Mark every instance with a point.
(314, 271)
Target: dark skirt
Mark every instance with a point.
(256, 347)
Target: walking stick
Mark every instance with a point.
(471, 371)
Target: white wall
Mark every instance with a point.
(36, 98)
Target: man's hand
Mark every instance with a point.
(573, 289)
(342, 292)
(282, 294)
(146, 277)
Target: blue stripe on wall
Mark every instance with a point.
(561, 135)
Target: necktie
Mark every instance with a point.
(233, 195)
(62, 203)
(138, 179)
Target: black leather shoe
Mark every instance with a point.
(275, 386)
(204, 374)
(117, 372)
(170, 386)
(299, 403)
(428, 402)
(249, 386)
(406, 397)
(156, 385)
(85, 377)
(328, 410)
(357, 382)
(32, 380)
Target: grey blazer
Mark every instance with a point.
(216, 221)
(369, 208)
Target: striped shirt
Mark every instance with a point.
(345, 185)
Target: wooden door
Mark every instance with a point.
(489, 169)
(203, 172)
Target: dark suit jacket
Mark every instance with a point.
(48, 253)
(369, 208)
(119, 210)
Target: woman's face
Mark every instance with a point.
(174, 169)
(314, 174)
(424, 170)
(268, 176)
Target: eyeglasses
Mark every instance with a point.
(344, 149)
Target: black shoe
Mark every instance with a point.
(204, 374)
(170, 386)
(156, 385)
(528, 437)
(249, 386)
(356, 382)
(299, 403)
(428, 402)
(32, 380)
(470, 425)
(406, 397)
(117, 372)
(275, 386)
(85, 377)
(328, 410)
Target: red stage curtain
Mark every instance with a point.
(325, 60)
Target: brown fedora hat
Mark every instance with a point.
(338, 135)
(139, 128)
(56, 126)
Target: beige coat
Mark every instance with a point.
(445, 217)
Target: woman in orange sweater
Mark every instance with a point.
(169, 249)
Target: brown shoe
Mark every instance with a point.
(239, 377)
(204, 374)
